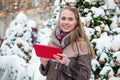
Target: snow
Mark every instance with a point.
(115, 43)
(117, 56)
(95, 64)
(18, 60)
(32, 24)
(98, 12)
(107, 70)
(114, 23)
(44, 36)
(102, 44)
(114, 78)
(103, 57)
(89, 32)
(109, 3)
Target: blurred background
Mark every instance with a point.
(27, 22)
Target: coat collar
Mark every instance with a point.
(65, 41)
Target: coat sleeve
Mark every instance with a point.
(43, 70)
(82, 69)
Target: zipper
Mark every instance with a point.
(56, 68)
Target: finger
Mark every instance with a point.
(59, 54)
(56, 57)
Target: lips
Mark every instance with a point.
(66, 27)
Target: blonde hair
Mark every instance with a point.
(79, 33)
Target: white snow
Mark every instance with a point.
(13, 63)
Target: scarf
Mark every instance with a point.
(60, 34)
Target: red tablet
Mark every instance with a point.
(46, 51)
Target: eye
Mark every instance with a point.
(71, 19)
(63, 18)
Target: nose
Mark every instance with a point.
(66, 21)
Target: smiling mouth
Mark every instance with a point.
(66, 26)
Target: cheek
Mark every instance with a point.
(72, 28)
(61, 22)
(74, 24)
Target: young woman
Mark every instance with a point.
(77, 51)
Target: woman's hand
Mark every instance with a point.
(44, 61)
(62, 58)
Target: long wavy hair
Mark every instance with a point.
(78, 33)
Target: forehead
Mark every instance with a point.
(67, 12)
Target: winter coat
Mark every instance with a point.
(79, 67)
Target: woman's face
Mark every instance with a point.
(67, 21)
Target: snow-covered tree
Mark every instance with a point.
(18, 58)
(102, 29)
(17, 39)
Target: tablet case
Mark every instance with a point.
(46, 51)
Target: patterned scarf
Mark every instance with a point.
(60, 34)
